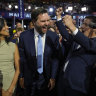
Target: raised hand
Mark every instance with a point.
(68, 21)
(59, 12)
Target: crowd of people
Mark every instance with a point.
(51, 58)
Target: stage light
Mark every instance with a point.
(66, 10)
(29, 7)
(25, 9)
(51, 9)
(36, 7)
(84, 9)
(25, 26)
(70, 8)
(16, 7)
(10, 6)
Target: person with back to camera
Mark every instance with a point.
(75, 75)
(9, 62)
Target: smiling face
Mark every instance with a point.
(85, 25)
(42, 23)
(5, 30)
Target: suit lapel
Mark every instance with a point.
(32, 43)
(46, 43)
(45, 49)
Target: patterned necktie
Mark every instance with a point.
(39, 55)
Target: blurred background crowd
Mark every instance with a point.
(23, 16)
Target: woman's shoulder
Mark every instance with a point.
(12, 45)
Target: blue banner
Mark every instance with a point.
(27, 15)
(21, 9)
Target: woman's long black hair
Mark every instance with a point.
(2, 24)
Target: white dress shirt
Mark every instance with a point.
(36, 40)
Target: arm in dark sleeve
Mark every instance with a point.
(88, 43)
(22, 55)
(62, 30)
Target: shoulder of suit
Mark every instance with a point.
(51, 33)
(27, 32)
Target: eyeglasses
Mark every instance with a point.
(85, 24)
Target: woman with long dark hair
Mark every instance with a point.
(9, 61)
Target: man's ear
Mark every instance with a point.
(33, 22)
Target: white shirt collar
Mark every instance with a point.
(36, 33)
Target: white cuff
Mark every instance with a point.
(75, 32)
(59, 19)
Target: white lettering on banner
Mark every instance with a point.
(27, 15)
(13, 14)
(16, 14)
(10, 14)
(21, 9)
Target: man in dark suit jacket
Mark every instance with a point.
(75, 75)
(35, 83)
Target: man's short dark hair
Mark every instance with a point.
(93, 21)
(36, 12)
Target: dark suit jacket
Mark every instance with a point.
(80, 60)
(28, 60)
